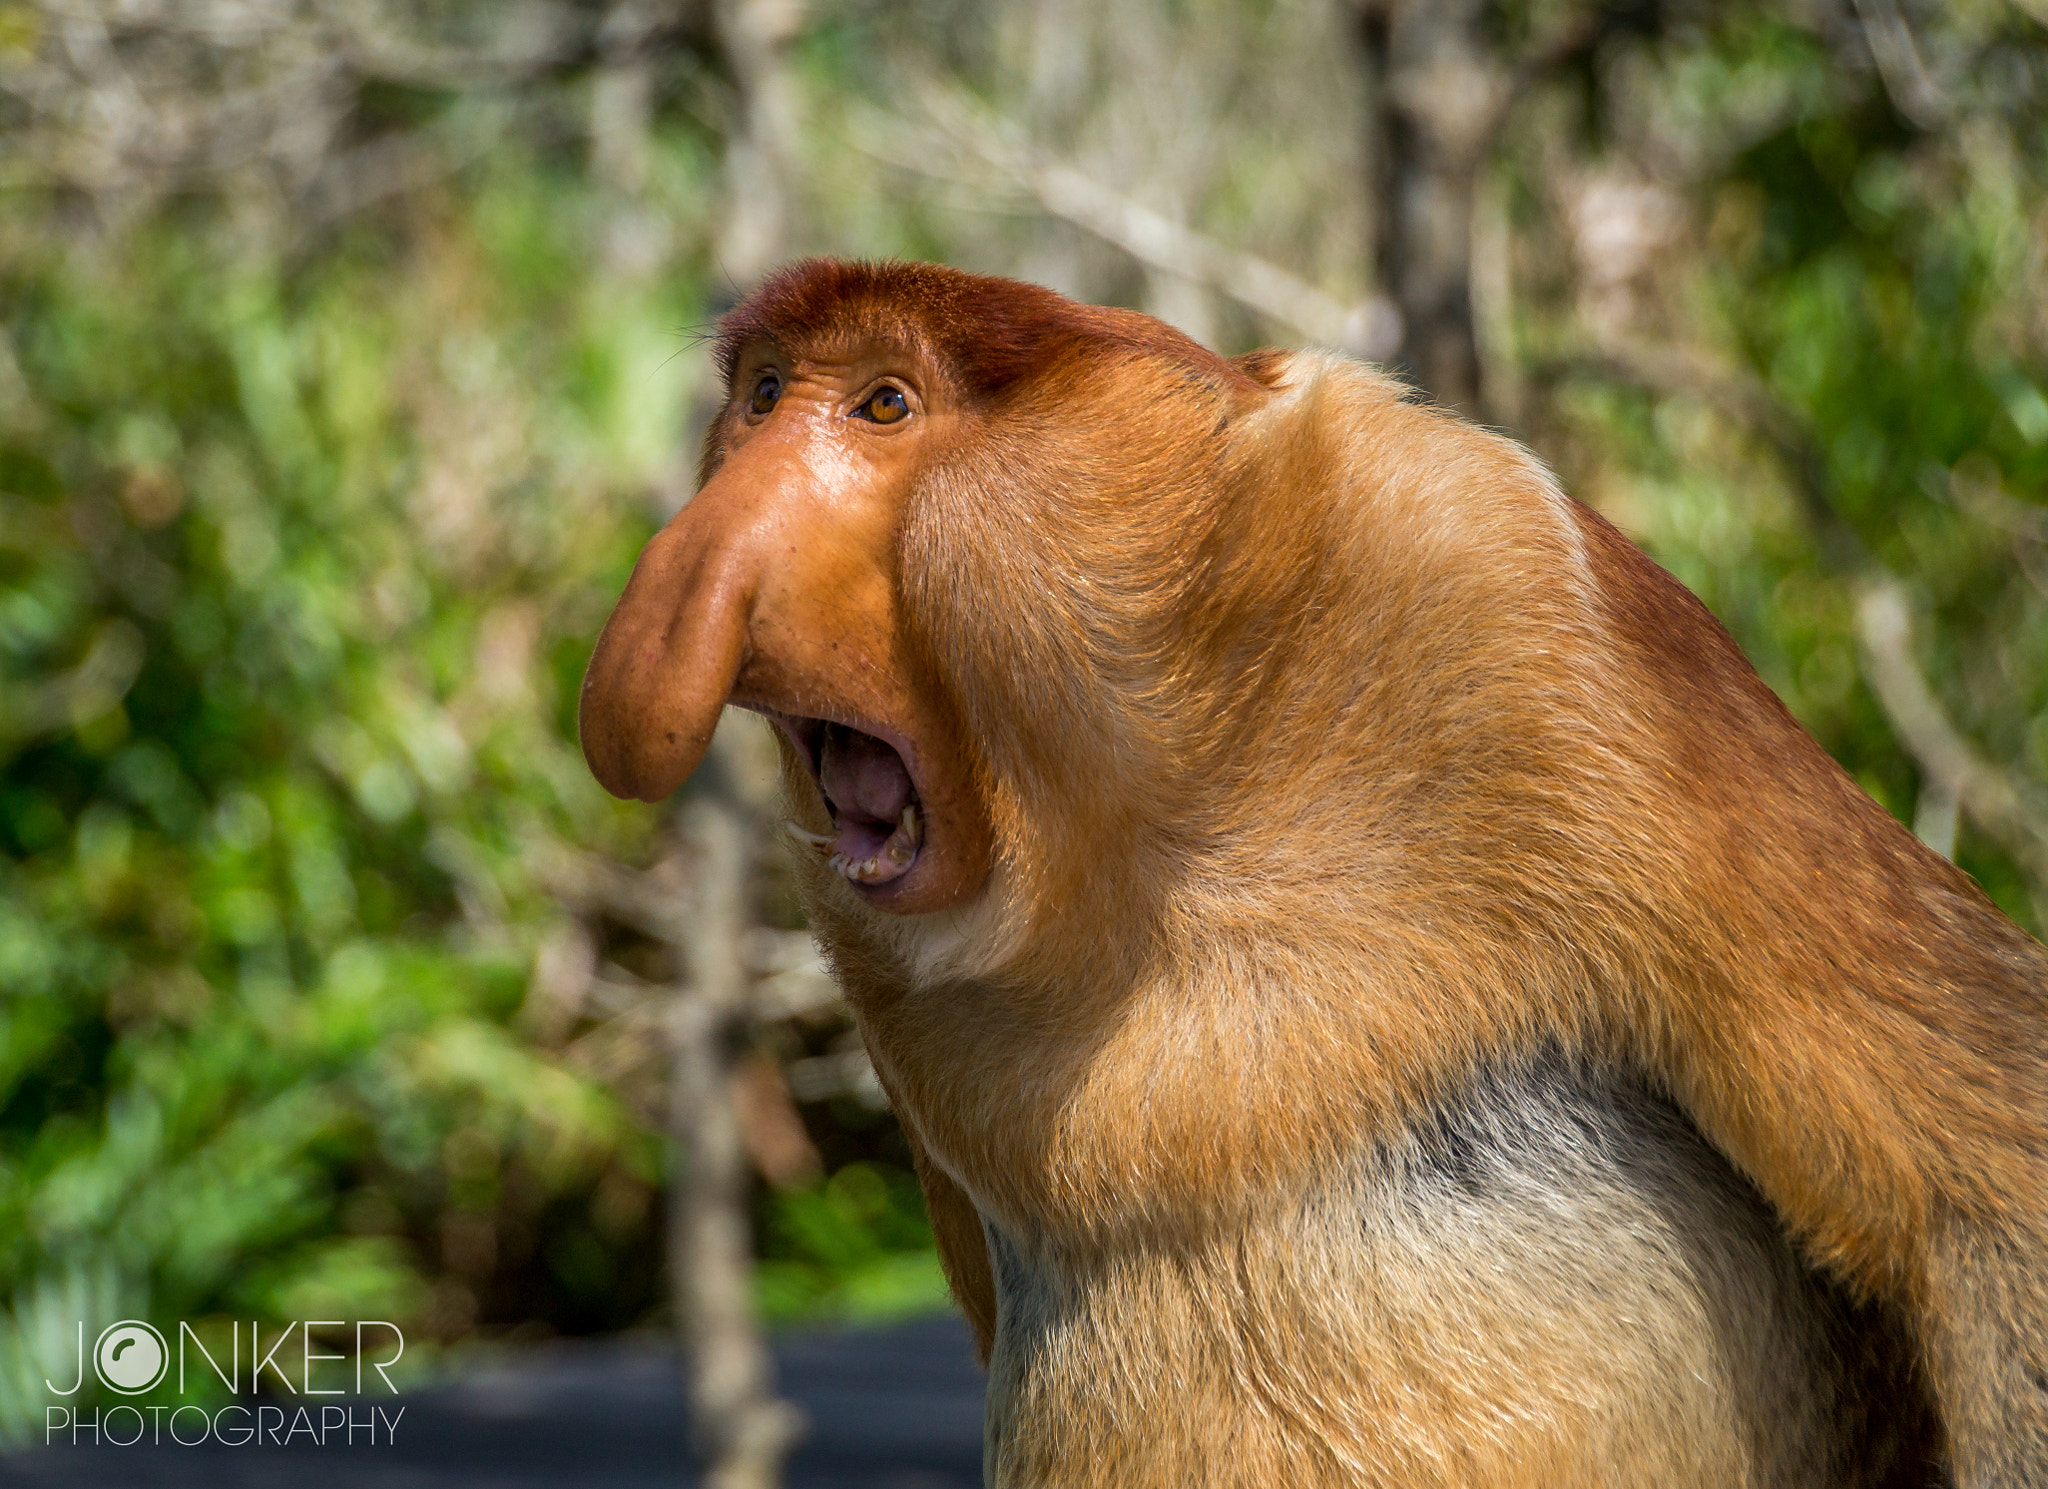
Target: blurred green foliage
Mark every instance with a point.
(856, 1247)
(299, 561)
(1833, 371)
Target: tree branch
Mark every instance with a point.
(1912, 92)
(2011, 810)
(1371, 328)
(743, 1430)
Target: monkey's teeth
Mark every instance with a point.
(890, 862)
(904, 841)
(820, 841)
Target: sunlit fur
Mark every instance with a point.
(1350, 787)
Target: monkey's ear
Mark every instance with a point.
(1266, 366)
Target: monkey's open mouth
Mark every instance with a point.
(877, 819)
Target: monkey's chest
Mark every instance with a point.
(1554, 1285)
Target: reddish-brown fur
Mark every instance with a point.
(1298, 760)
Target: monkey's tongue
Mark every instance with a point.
(874, 806)
(862, 776)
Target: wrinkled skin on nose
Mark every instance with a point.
(775, 589)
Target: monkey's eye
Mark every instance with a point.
(884, 406)
(767, 392)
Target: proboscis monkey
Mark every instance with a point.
(1380, 991)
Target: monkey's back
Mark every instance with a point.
(1553, 1282)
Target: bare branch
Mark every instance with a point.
(591, 885)
(1666, 369)
(763, 136)
(2012, 811)
(744, 1430)
(129, 101)
(1370, 329)
(395, 166)
(1987, 501)
(551, 38)
(1912, 92)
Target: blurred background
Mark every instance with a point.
(350, 349)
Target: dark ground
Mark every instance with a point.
(898, 1408)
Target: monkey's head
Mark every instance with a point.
(1046, 596)
(864, 561)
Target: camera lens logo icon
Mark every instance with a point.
(131, 1357)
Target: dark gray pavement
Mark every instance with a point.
(896, 1408)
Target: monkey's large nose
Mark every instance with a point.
(671, 653)
(665, 665)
